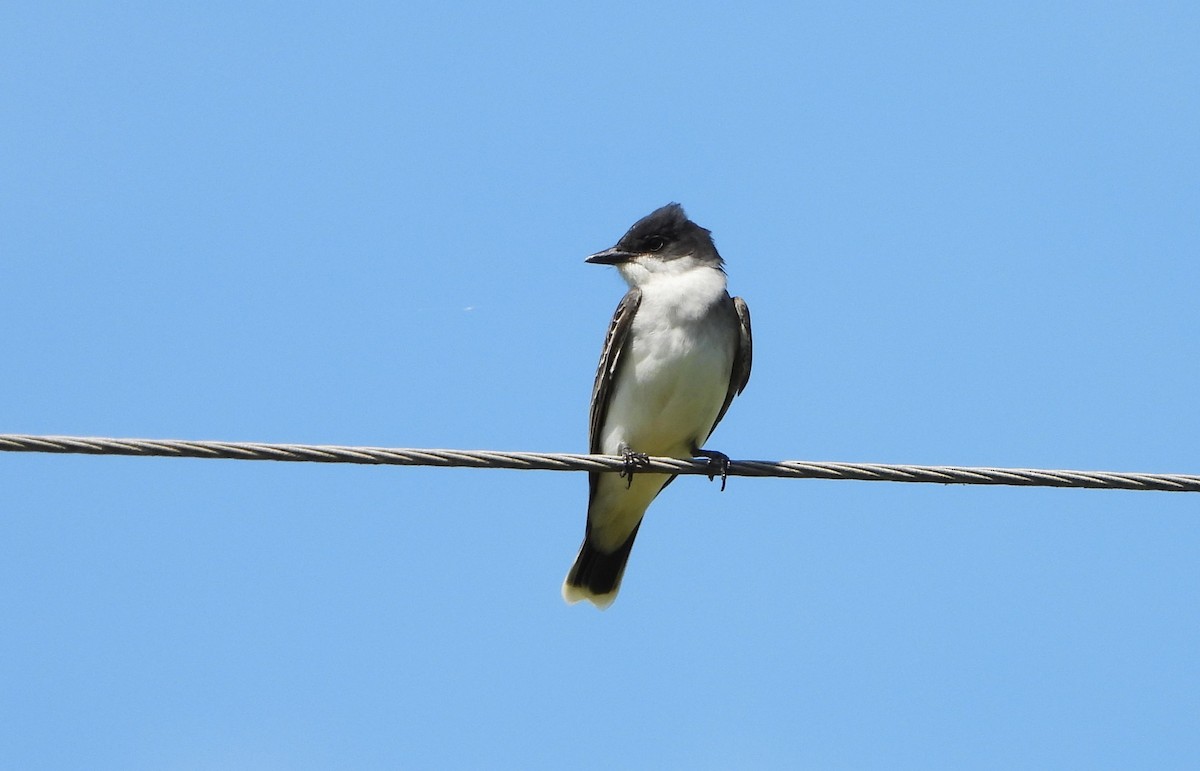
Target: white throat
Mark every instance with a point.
(684, 288)
(646, 270)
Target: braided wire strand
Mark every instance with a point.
(790, 469)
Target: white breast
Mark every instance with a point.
(676, 367)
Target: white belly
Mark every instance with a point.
(670, 386)
(671, 382)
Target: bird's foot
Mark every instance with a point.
(718, 463)
(634, 462)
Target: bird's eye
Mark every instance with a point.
(655, 243)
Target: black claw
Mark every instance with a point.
(634, 461)
(718, 462)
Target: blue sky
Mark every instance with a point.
(968, 235)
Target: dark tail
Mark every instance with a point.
(596, 575)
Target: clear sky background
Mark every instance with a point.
(968, 235)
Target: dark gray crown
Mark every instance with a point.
(669, 233)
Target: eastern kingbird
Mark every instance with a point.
(677, 352)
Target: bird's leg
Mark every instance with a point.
(634, 461)
(718, 463)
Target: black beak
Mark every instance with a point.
(613, 256)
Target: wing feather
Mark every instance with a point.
(610, 358)
(739, 374)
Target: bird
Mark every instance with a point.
(678, 350)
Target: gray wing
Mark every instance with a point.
(610, 359)
(739, 375)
